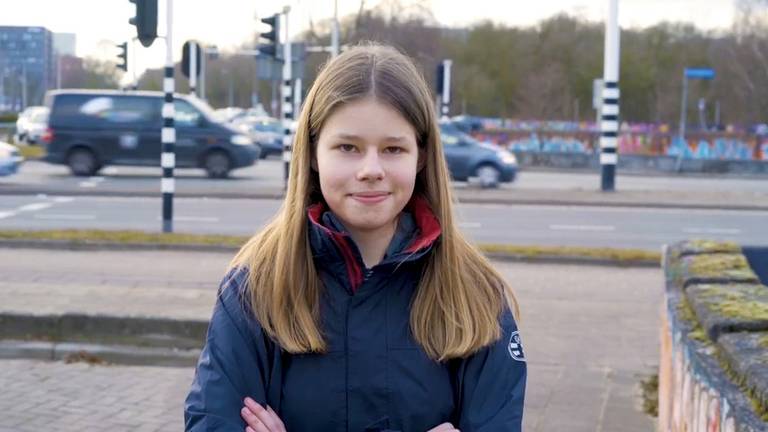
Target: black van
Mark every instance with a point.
(89, 129)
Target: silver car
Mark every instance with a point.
(10, 159)
(31, 125)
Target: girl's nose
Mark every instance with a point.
(370, 168)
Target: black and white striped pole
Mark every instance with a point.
(445, 100)
(609, 116)
(286, 115)
(168, 132)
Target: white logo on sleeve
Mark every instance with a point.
(515, 347)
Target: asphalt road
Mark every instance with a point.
(644, 228)
(268, 174)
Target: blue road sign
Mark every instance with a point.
(699, 73)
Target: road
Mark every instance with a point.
(268, 174)
(644, 228)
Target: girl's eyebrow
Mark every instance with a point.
(353, 137)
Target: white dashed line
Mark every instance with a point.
(194, 219)
(34, 207)
(91, 182)
(64, 217)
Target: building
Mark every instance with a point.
(64, 44)
(27, 66)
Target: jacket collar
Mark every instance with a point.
(417, 231)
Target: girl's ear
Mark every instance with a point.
(313, 162)
(422, 159)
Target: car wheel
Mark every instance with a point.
(488, 175)
(82, 162)
(217, 164)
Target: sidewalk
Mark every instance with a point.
(591, 334)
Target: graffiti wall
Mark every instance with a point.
(686, 401)
(647, 140)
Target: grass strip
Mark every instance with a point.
(150, 238)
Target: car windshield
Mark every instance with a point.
(268, 126)
(450, 129)
(204, 108)
(39, 116)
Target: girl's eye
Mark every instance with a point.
(394, 150)
(346, 148)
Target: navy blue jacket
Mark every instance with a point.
(374, 377)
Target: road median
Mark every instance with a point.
(140, 240)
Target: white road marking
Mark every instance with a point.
(64, 217)
(7, 214)
(109, 170)
(91, 182)
(63, 199)
(731, 231)
(34, 207)
(582, 228)
(194, 219)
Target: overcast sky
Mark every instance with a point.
(227, 23)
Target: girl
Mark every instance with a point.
(361, 307)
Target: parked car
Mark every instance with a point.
(468, 158)
(265, 131)
(10, 159)
(31, 125)
(90, 129)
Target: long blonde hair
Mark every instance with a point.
(460, 296)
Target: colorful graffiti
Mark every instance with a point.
(701, 146)
(634, 138)
(686, 401)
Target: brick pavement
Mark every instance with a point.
(590, 334)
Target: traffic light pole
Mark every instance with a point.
(287, 105)
(609, 118)
(168, 132)
(193, 68)
(446, 87)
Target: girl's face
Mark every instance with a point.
(367, 159)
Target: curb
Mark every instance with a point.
(499, 256)
(102, 339)
(98, 354)
(468, 199)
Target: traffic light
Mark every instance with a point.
(272, 36)
(145, 20)
(123, 55)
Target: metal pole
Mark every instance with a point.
(717, 115)
(683, 106)
(609, 120)
(681, 137)
(335, 33)
(287, 106)
(168, 156)
(135, 84)
(203, 61)
(58, 71)
(297, 94)
(24, 85)
(193, 68)
(446, 97)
